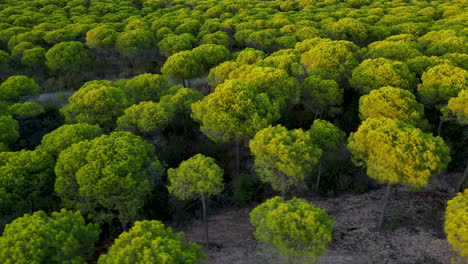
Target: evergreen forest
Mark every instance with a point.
(129, 129)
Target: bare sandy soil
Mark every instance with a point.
(413, 230)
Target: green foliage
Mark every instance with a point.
(66, 135)
(220, 73)
(194, 177)
(25, 176)
(392, 50)
(172, 44)
(146, 118)
(396, 152)
(330, 59)
(347, 29)
(235, 109)
(182, 66)
(211, 55)
(63, 237)
(101, 38)
(250, 56)
(151, 242)
(456, 223)
(181, 99)
(96, 102)
(107, 177)
(394, 103)
(440, 83)
(326, 136)
(146, 87)
(321, 96)
(135, 43)
(276, 83)
(68, 57)
(296, 228)
(283, 158)
(15, 87)
(34, 57)
(372, 74)
(457, 108)
(26, 110)
(8, 130)
(440, 42)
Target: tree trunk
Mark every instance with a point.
(462, 180)
(439, 129)
(318, 176)
(387, 192)
(204, 219)
(237, 155)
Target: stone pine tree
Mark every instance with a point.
(394, 103)
(395, 152)
(283, 158)
(235, 111)
(328, 138)
(299, 230)
(63, 237)
(108, 177)
(152, 242)
(198, 176)
(457, 109)
(456, 224)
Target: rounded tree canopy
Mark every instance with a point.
(284, 157)
(456, 223)
(395, 152)
(296, 228)
(109, 174)
(26, 110)
(146, 87)
(458, 107)
(69, 56)
(181, 66)
(9, 130)
(135, 43)
(63, 237)
(235, 109)
(442, 82)
(330, 59)
(394, 103)
(66, 135)
(152, 242)
(372, 74)
(96, 102)
(146, 117)
(15, 87)
(195, 177)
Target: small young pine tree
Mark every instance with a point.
(297, 229)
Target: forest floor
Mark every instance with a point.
(413, 231)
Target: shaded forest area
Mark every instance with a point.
(119, 118)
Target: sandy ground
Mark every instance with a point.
(413, 230)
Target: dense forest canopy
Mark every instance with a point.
(116, 109)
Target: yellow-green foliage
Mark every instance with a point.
(396, 152)
(394, 103)
(442, 82)
(151, 242)
(456, 223)
(235, 109)
(63, 237)
(196, 176)
(458, 107)
(284, 158)
(295, 227)
(372, 74)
